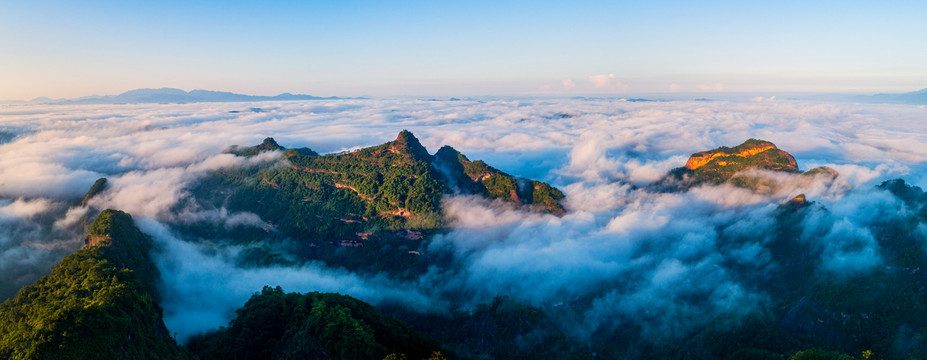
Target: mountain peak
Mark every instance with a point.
(747, 149)
(270, 144)
(407, 142)
(374, 190)
(797, 202)
(406, 137)
(720, 164)
(447, 152)
(97, 188)
(723, 163)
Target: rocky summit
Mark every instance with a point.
(726, 164)
(721, 164)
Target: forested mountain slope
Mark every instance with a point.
(98, 303)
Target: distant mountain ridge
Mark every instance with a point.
(912, 98)
(172, 95)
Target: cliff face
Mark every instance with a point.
(724, 163)
(721, 164)
(732, 156)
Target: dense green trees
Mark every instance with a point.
(278, 325)
(393, 186)
(99, 303)
(721, 164)
(93, 305)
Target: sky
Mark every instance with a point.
(378, 48)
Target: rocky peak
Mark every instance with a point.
(408, 143)
(797, 202)
(98, 187)
(447, 153)
(822, 171)
(269, 144)
(912, 196)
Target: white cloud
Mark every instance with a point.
(568, 84)
(24, 208)
(604, 81)
(193, 304)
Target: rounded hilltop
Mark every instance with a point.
(724, 156)
(731, 164)
(720, 164)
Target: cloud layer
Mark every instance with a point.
(621, 251)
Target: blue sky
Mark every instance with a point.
(351, 48)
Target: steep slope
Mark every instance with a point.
(476, 177)
(878, 310)
(912, 196)
(96, 303)
(98, 187)
(277, 325)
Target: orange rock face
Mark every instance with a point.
(700, 159)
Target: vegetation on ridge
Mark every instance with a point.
(727, 164)
(347, 196)
(100, 303)
(97, 188)
(278, 325)
(93, 304)
(723, 162)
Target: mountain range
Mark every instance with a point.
(373, 211)
(172, 96)
(178, 96)
(911, 98)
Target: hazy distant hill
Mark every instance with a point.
(913, 98)
(171, 95)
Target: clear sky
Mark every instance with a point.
(442, 48)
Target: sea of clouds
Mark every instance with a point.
(632, 255)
